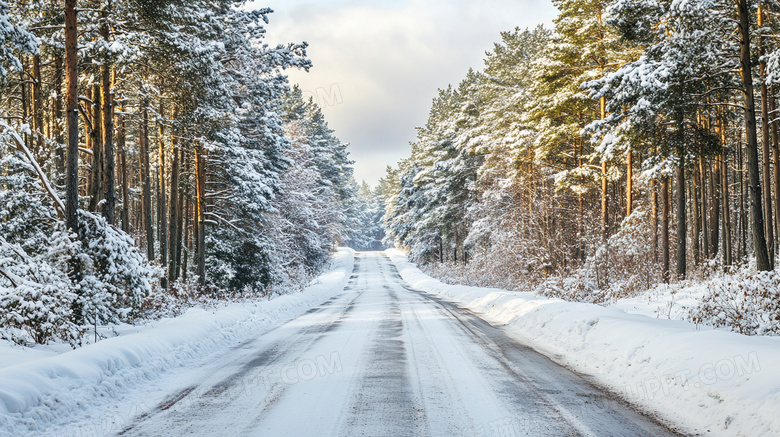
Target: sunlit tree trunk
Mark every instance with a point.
(742, 209)
(37, 109)
(682, 226)
(120, 142)
(696, 216)
(162, 205)
(665, 228)
(727, 252)
(56, 108)
(763, 262)
(714, 222)
(72, 121)
(174, 202)
(96, 140)
(766, 185)
(705, 205)
(655, 221)
(776, 166)
(146, 206)
(200, 173)
(604, 185)
(109, 166)
(629, 182)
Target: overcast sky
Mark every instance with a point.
(378, 63)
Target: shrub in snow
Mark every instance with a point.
(35, 296)
(747, 302)
(35, 291)
(41, 297)
(172, 301)
(114, 275)
(625, 265)
(578, 286)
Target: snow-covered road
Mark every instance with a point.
(382, 359)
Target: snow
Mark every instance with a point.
(377, 359)
(665, 301)
(38, 391)
(705, 381)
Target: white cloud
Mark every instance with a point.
(387, 59)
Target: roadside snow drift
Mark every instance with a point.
(39, 393)
(703, 381)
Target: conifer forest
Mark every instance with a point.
(634, 144)
(227, 217)
(152, 153)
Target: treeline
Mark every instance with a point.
(151, 151)
(635, 143)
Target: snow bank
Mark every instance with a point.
(42, 392)
(702, 381)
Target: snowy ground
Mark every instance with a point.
(386, 356)
(708, 382)
(383, 360)
(99, 389)
(665, 301)
(377, 358)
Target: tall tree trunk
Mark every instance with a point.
(629, 182)
(763, 262)
(174, 203)
(200, 172)
(776, 166)
(665, 228)
(181, 228)
(766, 184)
(109, 167)
(162, 204)
(696, 216)
(742, 217)
(704, 207)
(120, 142)
(655, 221)
(604, 185)
(715, 207)
(146, 206)
(187, 210)
(96, 139)
(59, 154)
(72, 121)
(107, 103)
(727, 252)
(682, 226)
(37, 109)
(24, 99)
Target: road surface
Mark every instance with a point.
(381, 359)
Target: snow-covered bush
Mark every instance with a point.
(35, 294)
(114, 275)
(39, 298)
(577, 286)
(35, 291)
(43, 295)
(625, 265)
(747, 302)
(172, 301)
